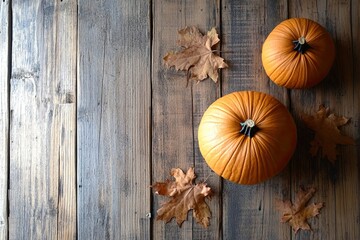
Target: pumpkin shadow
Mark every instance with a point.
(339, 80)
(306, 169)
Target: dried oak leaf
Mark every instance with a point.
(327, 134)
(196, 55)
(296, 214)
(184, 196)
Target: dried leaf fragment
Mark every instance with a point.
(296, 214)
(196, 55)
(327, 134)
(184, 196)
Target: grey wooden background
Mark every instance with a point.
(90, 117)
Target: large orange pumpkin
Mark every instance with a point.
(247, 137)
(298, 53)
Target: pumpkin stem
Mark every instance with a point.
(248, 128)
(301, 45)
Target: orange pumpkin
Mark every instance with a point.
(247, 137)
(298, 53)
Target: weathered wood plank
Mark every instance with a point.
(354, 131)
(4, 116)
(337, 185)
(43, 75)
(204, 94)
(114, 122)
(177, 111)
(64, 131)
(345, 102)
(172, 141)
(65, 114)
(249, 211)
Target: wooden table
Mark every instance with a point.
(90, 118)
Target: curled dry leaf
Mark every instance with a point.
(196, 55)
(327, 134)
(296, 214)
(184, 196)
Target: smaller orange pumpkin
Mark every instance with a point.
(298, 53)
(247, 137)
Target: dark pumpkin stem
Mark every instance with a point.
(301, 45)
(248, 128)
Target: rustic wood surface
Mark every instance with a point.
(4, 115)
(90, 117)
(114, 121)
(42, 190)
(177, 110)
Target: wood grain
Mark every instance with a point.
(90, 117)
(345, 103)
(337, 184)
(4, 115)
(43, 75)
(64, 151)
(249, 211)
(177, 110)
(113, 124)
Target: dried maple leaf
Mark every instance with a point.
(297, 214)
(197, 57)
(184, 197)
(327, 134)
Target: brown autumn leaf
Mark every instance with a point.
(296, 214)
(184, 196)
(327, 134)
(196, 55)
